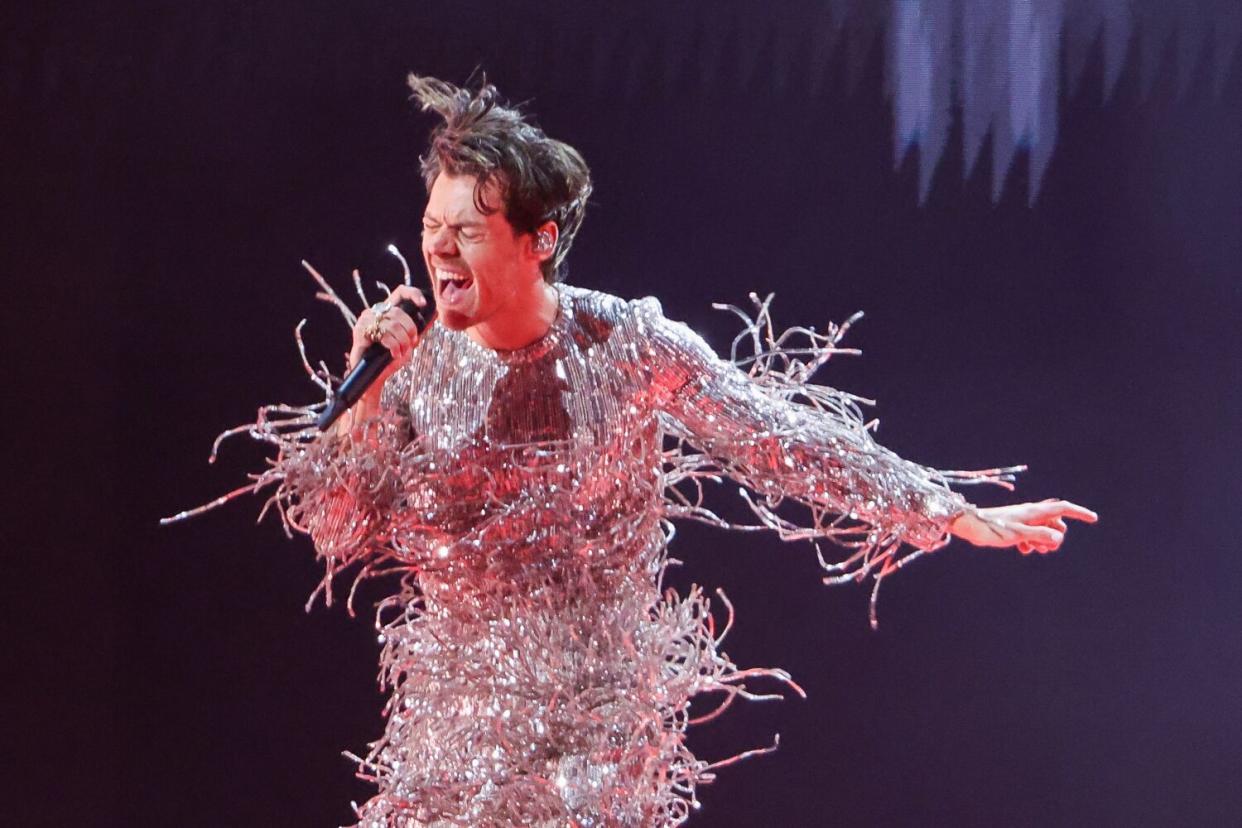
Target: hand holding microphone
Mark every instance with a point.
(383, 338)
(395, 329)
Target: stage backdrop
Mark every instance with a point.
(1037, 205)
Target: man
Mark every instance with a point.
(511, 468)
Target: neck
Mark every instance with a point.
(525, 320)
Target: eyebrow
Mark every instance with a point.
(465, 223)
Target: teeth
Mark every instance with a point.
(450, 276)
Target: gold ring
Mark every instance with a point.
(373, 331)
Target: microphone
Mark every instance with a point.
(368, 368)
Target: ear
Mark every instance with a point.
(543, 241)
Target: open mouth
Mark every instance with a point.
(453, 286)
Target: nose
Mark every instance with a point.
(440, 242)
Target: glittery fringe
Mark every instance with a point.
(538, 718)
(337, 489)
(537, 695)
(780, 368)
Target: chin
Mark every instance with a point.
(453, 320)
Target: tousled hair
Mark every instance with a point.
(539, 178)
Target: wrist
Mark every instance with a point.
(959, 525)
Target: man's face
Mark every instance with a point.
(477, 263)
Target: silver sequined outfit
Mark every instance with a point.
(538, 673)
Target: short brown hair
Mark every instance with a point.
(541, 179)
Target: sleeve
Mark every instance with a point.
(787, 439)
(344, 490)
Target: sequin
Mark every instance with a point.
(523, 502)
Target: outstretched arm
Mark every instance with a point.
(786, 438)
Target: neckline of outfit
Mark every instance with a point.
(538, 347)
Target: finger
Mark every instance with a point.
(1045, 509)
(408, 336)
(1076, 512)
(1053, 522)
(394, 343)
(1031, 512)
(412, 293)
(402, 320)
(360, 327)
(407, 345)
(1041, 536)
(406, 331)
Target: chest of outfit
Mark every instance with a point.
(562, 432)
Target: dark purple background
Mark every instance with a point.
(169, 165)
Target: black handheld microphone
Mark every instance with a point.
(370, 365)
